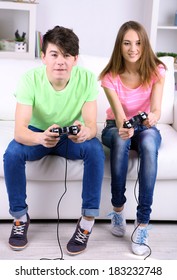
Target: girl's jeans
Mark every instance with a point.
(91, 152)
(146, 142)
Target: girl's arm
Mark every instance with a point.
(155, 103)
(119, 114)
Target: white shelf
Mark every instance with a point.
(168, 27)
(11, 5)
(160, 24)
(21, 16)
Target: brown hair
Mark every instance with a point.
(64, 38)
(148, 61)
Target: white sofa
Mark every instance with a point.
(45, 178)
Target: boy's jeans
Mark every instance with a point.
(146, 142)
(91, 152)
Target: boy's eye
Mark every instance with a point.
(66, 55)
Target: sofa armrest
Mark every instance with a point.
(174, 125)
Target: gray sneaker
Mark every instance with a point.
(118, 223)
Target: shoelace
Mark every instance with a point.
(81, 237)
(117, 218)
(19, 230)
(141, 236)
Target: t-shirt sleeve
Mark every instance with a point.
(93, 88)
(162, 73)
(107, 82)
(162, 70)
(24, 92)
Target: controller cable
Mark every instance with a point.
(58, 208)
(135, 195)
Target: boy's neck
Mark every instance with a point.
(59, 85)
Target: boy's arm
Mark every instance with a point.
(89, 114)
(89, 129)
(26, 136)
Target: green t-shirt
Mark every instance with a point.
(51, 106)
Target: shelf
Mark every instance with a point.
(18, 16)
(16, 5)
(18, 55)
(167, 27)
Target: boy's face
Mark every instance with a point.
(58, 64)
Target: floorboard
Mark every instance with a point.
(102, 245)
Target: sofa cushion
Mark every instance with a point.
(167, 158)
(52, 168)
(10, 73)
(168, 92)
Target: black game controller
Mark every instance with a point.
(72, 130)
(136, 120)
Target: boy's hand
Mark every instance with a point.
(49, 139)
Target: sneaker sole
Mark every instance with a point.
(75, 253)
(118, 235)
(15, 248)
(140, 253)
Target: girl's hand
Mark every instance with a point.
(126, 133)
(151, 120)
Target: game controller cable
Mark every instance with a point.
(72, 130)
(66, 130)
(136, 227)
(129, 124)
(58, 208)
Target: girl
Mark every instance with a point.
(133, 82)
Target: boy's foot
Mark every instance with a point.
(78, 242)
(118, 223)
(140, 241)
(18, 238)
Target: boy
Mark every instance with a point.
(58, 94)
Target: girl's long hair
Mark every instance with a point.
(148, 61)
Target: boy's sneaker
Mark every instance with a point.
(78, 242)
(118, 223)
(18, 238)
(140, 241)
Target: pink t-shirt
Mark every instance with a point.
(132, 100)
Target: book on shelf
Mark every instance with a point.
(38, 48)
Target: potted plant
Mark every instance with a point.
(20, 42)
(174, 55)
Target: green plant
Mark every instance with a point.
(159, 54)
(19, 38)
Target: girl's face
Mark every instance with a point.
(131, 46)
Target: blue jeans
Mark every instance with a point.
(91, 152)
(146, 142)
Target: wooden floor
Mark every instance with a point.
(102, 245)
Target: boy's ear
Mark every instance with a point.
(43, 57)
(76, 59)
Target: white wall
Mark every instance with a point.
(96, 22)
